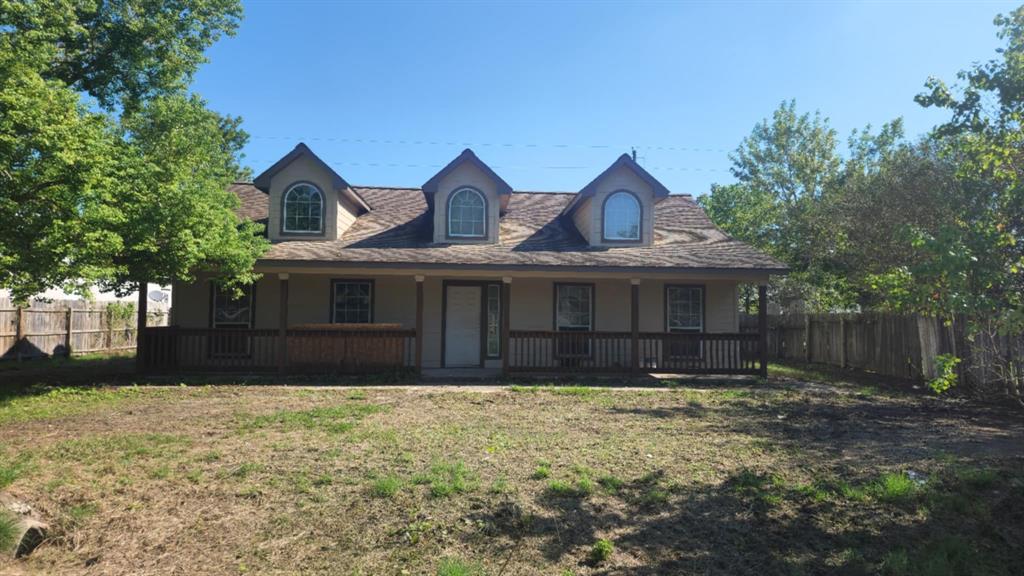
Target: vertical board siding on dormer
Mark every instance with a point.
(466, 175)
(338, 215)
(591, 211)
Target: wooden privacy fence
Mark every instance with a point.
(904, 346)
(65, 328)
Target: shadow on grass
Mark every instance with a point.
(753, 523)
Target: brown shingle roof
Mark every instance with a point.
(397, 231)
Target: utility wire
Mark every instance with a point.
(428, 142)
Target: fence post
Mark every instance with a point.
(842, 341)
(19, 330)
(140, 327)
(762, 328)
(109, 336)
(69, 323)
(808, 355)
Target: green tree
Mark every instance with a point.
(784, 167)
(93, 165)
(974, 263)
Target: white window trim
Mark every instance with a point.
(639, 217)
(483, 202)
(213, 311)
(668, 310)
(590, 312)
(284, 210)
(334, 299)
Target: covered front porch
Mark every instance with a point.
(377, 320)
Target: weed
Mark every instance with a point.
(323, 480)
(356, 395)
(385, 486)
(244, 469)
(13, 468)
(447, 478)
(160, 472)
(500, 486)
(8, 530)
(610, 483)
(894, 488)
(208, 457)
(542, 471)
(457, 567)
(194, 476)
(81, 512)
(561, 489)
(601, 551)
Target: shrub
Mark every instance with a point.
(601, 551)
(945, 367)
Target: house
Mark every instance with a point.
(465, 272)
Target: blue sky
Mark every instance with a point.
(549, 94)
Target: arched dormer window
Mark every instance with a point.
(303, 209)
(467, 214)
(622, 216)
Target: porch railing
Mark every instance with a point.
(612, 352)
(252, 350)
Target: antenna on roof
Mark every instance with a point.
(633, 149)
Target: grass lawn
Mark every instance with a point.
(789, 477)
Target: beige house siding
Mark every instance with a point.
(589, 215)
(338, 215)
(467, 174)
(531, 307)
(583, 218)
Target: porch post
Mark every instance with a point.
(419, 323)
(634, 322)
(282, 325)
(506, 306)
(762, 328)
(140, 327)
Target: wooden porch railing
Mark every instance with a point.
(250, 350)
(611, 352)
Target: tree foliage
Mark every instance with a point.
(109, 171)
(931, 226)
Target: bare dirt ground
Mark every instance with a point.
(789, 477)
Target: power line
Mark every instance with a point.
(494, 166)
(436, 142)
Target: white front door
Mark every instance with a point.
(462, 326)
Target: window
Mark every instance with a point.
(231, 312)
(622, 216)
(684, 310)
(493, 320)
(574, 312)
(353, 302)
(466, 213)
(303, 209)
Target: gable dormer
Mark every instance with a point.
(617, 207)
(467, 198)
(308, 199)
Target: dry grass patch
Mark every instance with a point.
(526, 480)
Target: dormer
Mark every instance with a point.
(617, 207)
(308, 199)
(466, 198)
